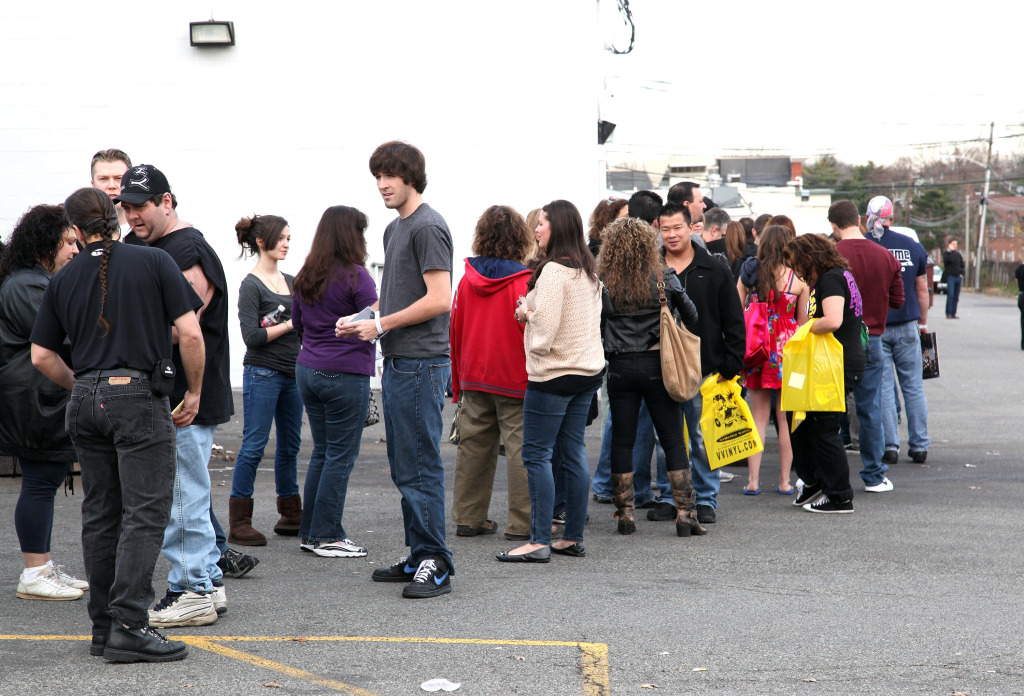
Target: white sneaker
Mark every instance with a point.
(220, 599)
(70, 580)
(183, 609)
(884, 487)
(346, 548)
(307, 545)
(725, 476)
(46, 586)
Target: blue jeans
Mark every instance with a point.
(645, 442)
(551, 420)
(953, 284)
(901, 348)
(706, 482)
(190, 545)
(336, 404)
(868, 396)
(413, 393)
(124, 439)
(218, 533)
(268, 396)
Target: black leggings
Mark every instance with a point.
(818, 453)
(636, 376)
(33, 515)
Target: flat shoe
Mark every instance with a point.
(791, 491)
(542, 555)
(575, 550)
(749, 492)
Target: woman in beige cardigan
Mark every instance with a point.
(564, 364)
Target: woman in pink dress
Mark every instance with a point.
(768, 279)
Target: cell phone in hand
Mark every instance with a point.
(365, 315)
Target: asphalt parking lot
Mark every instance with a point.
(918, 592)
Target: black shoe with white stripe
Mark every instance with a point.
(831, 505)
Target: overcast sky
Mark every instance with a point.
(864, 81)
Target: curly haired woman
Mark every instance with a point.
(632, 270)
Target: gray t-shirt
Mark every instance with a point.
(413, 246)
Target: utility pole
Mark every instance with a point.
(984, 208)
(967, 236)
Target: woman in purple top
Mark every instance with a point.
(333, 373)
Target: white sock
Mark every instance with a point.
(33, 573)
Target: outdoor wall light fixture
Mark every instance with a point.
(212, 33)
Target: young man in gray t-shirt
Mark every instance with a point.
(411, 321)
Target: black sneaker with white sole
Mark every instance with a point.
(830, 504)
(399, 572)
(807, 493)
(432, 578)
(235, 564)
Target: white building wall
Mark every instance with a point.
(501, 98)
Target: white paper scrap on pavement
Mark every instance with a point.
(439, 685)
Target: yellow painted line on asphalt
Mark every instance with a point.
(594, 663)
(207, 644)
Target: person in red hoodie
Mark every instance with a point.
(489, 373)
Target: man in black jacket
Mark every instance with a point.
(722, 336)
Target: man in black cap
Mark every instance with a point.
(117, 306)
(196, 594)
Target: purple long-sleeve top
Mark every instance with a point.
(321, 349)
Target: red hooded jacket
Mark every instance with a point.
(487, 341)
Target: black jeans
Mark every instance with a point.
(636, 376)
(818, 453)
(125, 442)
(33, 515)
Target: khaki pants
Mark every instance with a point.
(485, 416)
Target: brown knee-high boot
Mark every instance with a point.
(686, 504)
(290, 509)
(624, 497)
(240, 529)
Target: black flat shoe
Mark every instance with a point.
(542, 555)
(576, 550)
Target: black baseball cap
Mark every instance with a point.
(141, 183)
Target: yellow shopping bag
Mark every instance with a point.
(812, 373)
(726, 423)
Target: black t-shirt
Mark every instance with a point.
(145, 293)
(188, 247)
(838, 282)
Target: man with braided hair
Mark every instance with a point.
(117, 306)
(195, 594)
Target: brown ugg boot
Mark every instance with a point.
(290, 509)
(624, 497)
(686, 499)
(240, 529)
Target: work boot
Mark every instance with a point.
(290, 509)
(240, 529)
(623, 496)
(686, 504)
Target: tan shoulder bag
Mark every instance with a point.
(680, 353)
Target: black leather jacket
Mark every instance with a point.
(31, 406)
(635, 330)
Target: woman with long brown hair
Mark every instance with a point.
(836, 305)
(564, 365)
(633, 272)
(768, 279)
(333, 373)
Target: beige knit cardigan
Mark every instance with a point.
(563, 334)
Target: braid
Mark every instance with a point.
(108, 248)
